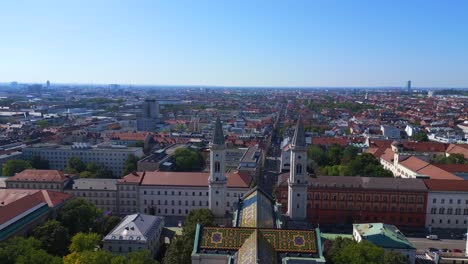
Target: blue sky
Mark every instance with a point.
(236, 43)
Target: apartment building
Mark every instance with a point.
(53, 180)
(112, 157)
(100, 192)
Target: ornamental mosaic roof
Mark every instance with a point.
(256, 210)
(281, 240)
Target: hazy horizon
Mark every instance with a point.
(236, 44)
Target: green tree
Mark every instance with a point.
(130, 164)
(395, 258)
(25, 250)
(316, 154)
(106, 224)
(363, 252)
(38, 163)
(187, 160)
(43, 123)
(84, 242)
(89, 257)
(181, 248)
(420, 137)
(79, 215)
(452, 159)
(141, 257)
(14, 166)
(53, 236)
(334, 154)
(75, 165)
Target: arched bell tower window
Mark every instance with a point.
(217, 166)
(298, 168)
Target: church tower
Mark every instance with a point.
(297, 183)
(217, 180)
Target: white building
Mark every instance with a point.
(390, 131)
(177, 193)
(100, 192)
(112, 157)
(135, 232)
(447, 204)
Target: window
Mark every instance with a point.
(449, 211)
(298, 168)
(434, 200)
(442, 201)
(450, 201)
(441, 210)
(217, 166)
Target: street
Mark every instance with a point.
(424, 243)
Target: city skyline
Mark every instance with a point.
(261, 44)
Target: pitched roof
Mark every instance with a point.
(299, 134)
(454, 168)
(135, 227)
(446, 185)
(357, 182)
(16, 201)
(383, 235)
(167, 178)
(39, 175)
(458, 149)
(218, 137)
(256, 209)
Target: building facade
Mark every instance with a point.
(135, 232)
(334, 200)
(447, 204)
(112, 157)
(100, 192)
(53, 180)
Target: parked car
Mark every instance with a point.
(432, 237)
(433, 249)
(446, 250)
(456, 250)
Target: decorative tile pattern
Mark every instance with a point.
(281, 240)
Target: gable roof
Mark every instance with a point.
(169, 178)
(39, 175)
(136, 227)
(446, 185)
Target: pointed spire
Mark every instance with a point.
(218, 137)
(299, 134)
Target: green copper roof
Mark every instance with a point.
(383, 235)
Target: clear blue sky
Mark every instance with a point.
(248, 43)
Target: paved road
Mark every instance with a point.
(424, 243)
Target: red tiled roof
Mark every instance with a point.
(458, 149)
(16, 201)
(453, 167)
(39, 175)
(326, 141)
(164, 178)
(413, 163)
(135, 136)
(446, 185)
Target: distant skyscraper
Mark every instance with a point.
(408, 86)
(149, 115)
(48, 84)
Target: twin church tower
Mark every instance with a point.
(297, 183)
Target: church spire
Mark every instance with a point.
(299, 134)
(218, 137)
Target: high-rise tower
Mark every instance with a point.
(217, 180)
(297, 183)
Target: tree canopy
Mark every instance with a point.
(130, 164)
(344, 161)
(187, 159)
(11, 167)
(53, 236)
(420, 137)
(180, 248)
(84, 242)
(347, 251)
(24, 251)
(452, 159)
(79, 215)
